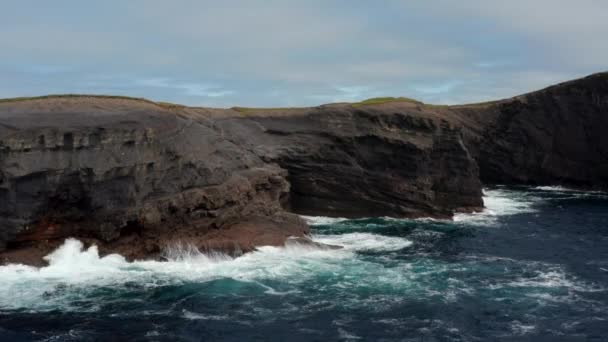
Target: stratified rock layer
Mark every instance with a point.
(133, 177)
(364, 161)
(555, 136)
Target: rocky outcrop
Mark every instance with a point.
(133, 177)
(555, 136)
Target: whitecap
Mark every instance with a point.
(520, 329)
(199, 316)
(361, 242)
(75, 272)
(558, 188)
(572, 193)
(498, 202)
(322, 220)
(348, 336)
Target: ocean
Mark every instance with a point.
(532, 267)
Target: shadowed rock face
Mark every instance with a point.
(135, 177)
(555, 136)
(357, 162)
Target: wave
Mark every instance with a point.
(499, 202)
(367, 268)
(75, 272)
(361, 242)
(559, 188)
(322, 220)
(78, 279)
(553, 188)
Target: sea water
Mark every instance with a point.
(533, 266)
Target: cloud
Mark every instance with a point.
(277, 53)
(189, 89)
(437, 88)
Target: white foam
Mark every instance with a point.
(365, 242)
(498, 202)
(74, 272)
(198, 316)
(553, 188)
(322, 220)
(577, 193)
(520, 329)
(545, 276)
(554, 278)
(347, 336)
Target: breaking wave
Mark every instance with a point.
(499, 202)
(72, 268)
(537, 271)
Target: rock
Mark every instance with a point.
(132, 177)
(555, 136)
(348, 161)
(136, 177)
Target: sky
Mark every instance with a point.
(298, 53)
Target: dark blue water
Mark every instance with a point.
(533, 267)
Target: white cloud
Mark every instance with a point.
(238, 52)
(188, 88)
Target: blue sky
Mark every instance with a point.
(297, 53)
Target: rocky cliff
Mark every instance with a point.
(356, 161)
(135, 177)
(555, 136)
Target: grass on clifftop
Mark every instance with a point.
(381, 100)
(62, 96)
(242, 110)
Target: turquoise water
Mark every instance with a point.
(532, 267)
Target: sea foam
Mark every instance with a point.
(74, 272)
(499, 202)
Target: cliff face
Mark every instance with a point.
(132, 177)
(135, 177)
(553, 136)
(389, 160)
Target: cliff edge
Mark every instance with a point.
(136, 177)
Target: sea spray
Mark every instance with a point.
(539, 269)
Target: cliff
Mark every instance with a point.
(392, 159)
(135, 177)
(555, 136)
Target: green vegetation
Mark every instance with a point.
(242, 110)
(381, 100)
(168, 105)
(18, 99)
